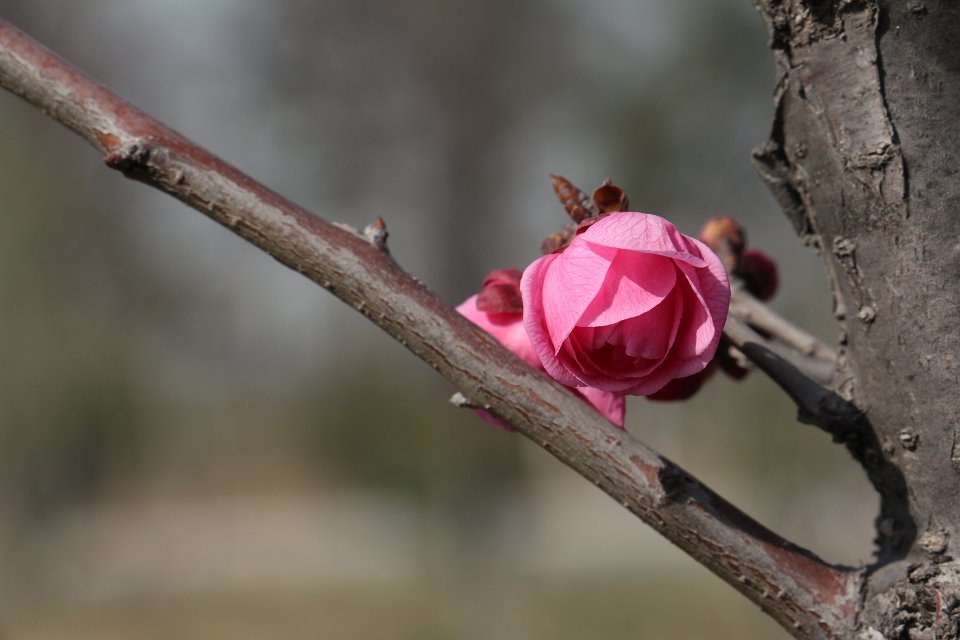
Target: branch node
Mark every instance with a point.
(129, 159)
(673, 481)
(462, 401)
(376, 234)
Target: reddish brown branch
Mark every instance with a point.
(811, 598)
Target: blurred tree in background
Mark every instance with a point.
(191, 435)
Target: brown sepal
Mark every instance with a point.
(610, 198)
(577, 204)
(557, 241)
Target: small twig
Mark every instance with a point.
(817, 370)
(804, 378)
(758, 315)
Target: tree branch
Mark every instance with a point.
(817, 404)
(758, 315)
(804, 378)
(810, 598)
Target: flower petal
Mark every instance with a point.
(652, 335)
(535, 322)
(570, 284)
(611, 406)
(707, 296)
(645, 233)
(635, 283)
(507, 328)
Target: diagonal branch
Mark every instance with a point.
(810, 598)
(805, 379)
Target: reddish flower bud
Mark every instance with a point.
(610, 198)
(759, 273)
(629, 305)
(501, 292)
(726, 238)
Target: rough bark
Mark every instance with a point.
(863, 157)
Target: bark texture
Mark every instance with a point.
(863, 157)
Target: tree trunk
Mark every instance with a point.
(863, 157)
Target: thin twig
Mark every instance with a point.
(804, 379)
(809, 597)
(758, 315)
(784, 369)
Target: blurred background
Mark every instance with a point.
(196, 442)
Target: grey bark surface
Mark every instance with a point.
(863, 157)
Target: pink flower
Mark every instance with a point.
(497, 310)
(628, 306)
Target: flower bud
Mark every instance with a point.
(759, 273)
(726, 238)
(501, 292)
(610, 198)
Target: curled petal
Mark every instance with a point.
(634, 284)
(644, 233)
(535, 320)
(571, 281)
